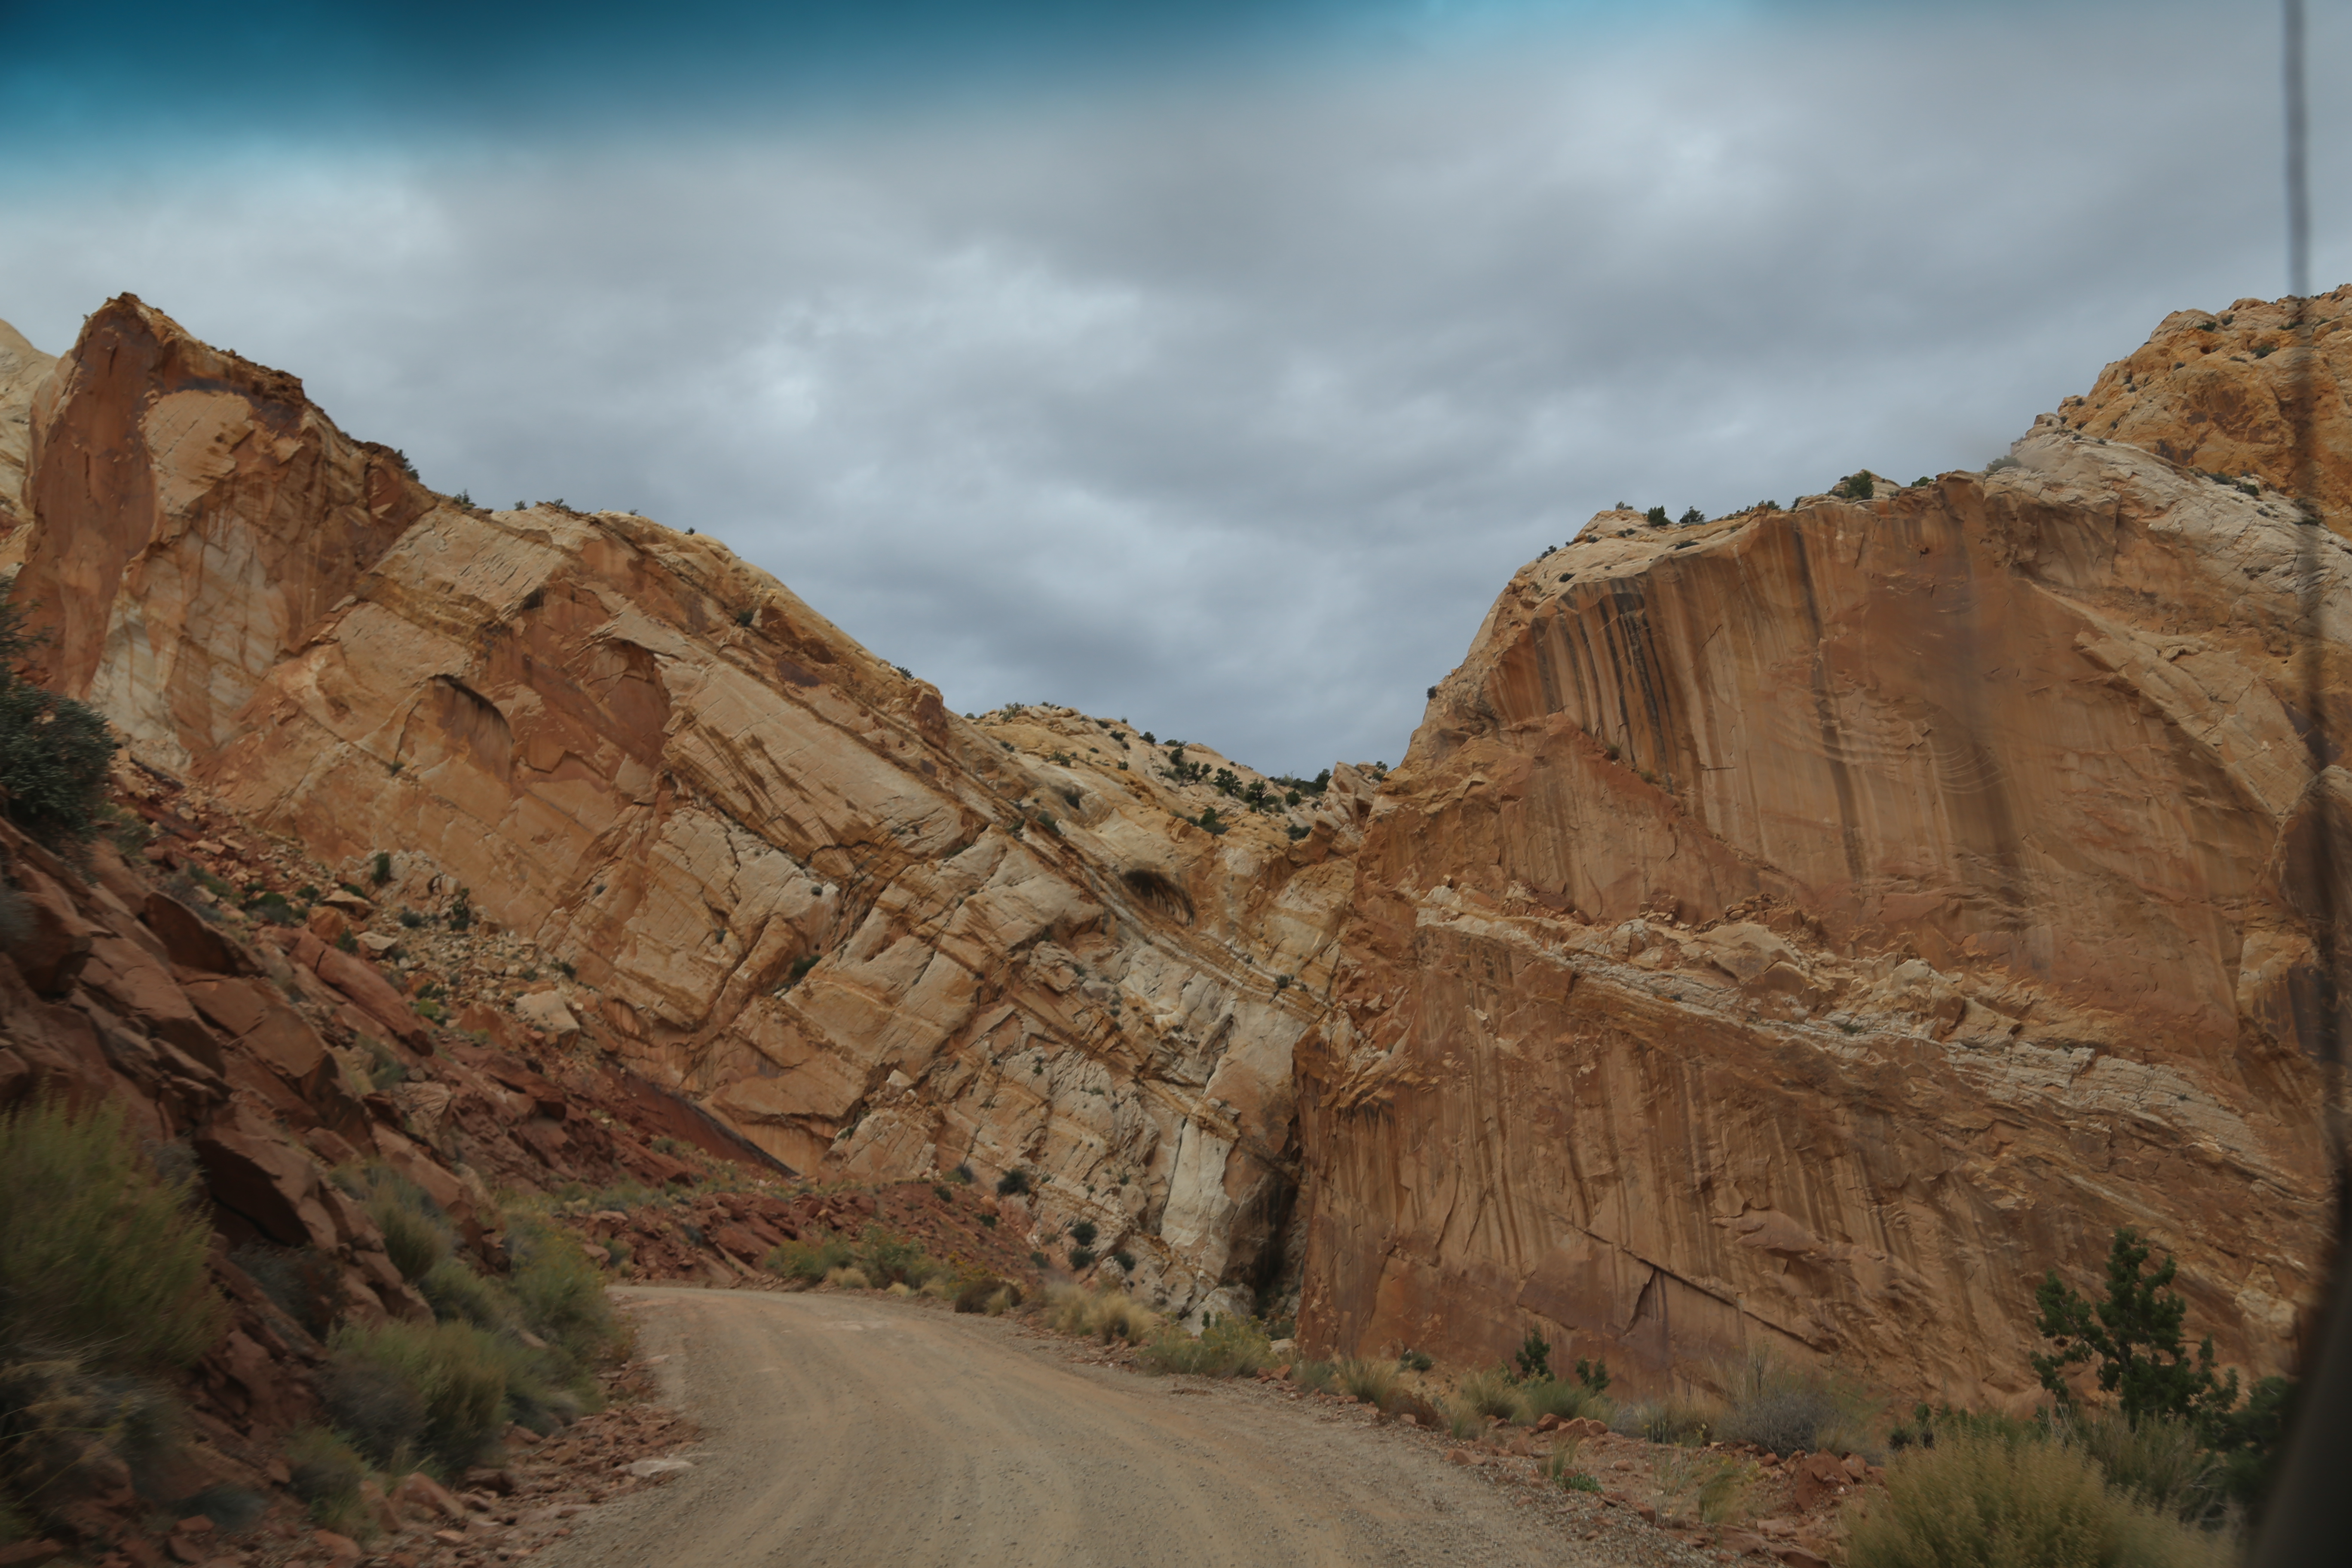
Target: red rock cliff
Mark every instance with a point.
(874, 936)
(1804, 930)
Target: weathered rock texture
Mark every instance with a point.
(873, 935)
(2217, 390)
(1803, 930)
(23, 368)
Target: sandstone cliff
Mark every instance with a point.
(874, 936)
(1802, 930)
(23, 368)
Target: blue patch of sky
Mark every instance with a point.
(149, 81)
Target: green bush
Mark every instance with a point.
(416, 1235)
(1228, 1346)
(53, 752)
(1679, 1421)
(59, 1421)
(1535, 1356)
(1788, 1410)
(458, 1295)
(326, 1475)
(1011, 1182)
(1557, 1396)
(1316, 1376)
(810, 1261)
(889, 1260)
(97, 1252)
(1986, 1502)
(1371, 1380)
(400, 1391)
(1490, 1393)
(561, 1296)
(2158, 1463)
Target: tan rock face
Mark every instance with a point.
(196, 516)
(2216, 390)
(23, 368)
(1806, 929)
(874, 936)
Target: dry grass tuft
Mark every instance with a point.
(97, 1253)
(1989, 1502)
(1226, 1347)
(1372, 1380)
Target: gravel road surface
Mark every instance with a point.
(847, 1429)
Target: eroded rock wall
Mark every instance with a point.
(877, 937)
(1803, 930)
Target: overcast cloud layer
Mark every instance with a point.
(1225, 402)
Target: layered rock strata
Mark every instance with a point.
(876, 937)
(1800, 932)
(23, 368)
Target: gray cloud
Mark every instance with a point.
(1228, 404)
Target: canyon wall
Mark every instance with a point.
(880, 939)
(1798, 931)
(1801, 931)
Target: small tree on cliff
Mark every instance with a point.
(53, 752)
(2135, 1336)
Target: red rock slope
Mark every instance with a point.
(1803, 930)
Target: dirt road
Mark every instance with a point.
(844, 1429)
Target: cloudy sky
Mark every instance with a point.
(1209, 365)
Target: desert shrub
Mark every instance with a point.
(1069, 1309)
(53, 752)
(1083, 1232)
(1227, 1346)
(97, 1252)
(458, 1295)
(976, 1294)
(326, 1474)
(1535, 1356)
(1714, 1486)
(1557, 1396)
(1122, 1317)
(1985, 1502)
(1656, 517)
(439, 1390)
(2160, 1464)
(1373, 1380)
(1787, 1410)
(809, 1260)
(415, 1237)
(1414, 1361)
(1011, 1182)
(560, 1297)
(1081, 1259)
(1316, 1376)
(62, 1425)
(1490, 1393)
(849, 1279)
(892, 1260)
(1856, 487)
(381, 869)
(1125, 1260)
(294, 1278)
(1682, 1421)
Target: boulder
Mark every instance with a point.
(546, 1010)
